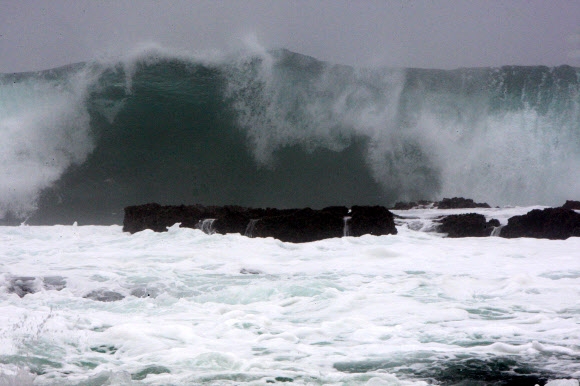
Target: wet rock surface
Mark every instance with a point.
(446, 203)
(304, 225)
(104, 296)
(292, 225)
(467, 225)
(570, 204)
(25, 285)
(550, 223)
(460, 203)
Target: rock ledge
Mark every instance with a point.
(293, 225)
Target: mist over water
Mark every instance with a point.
(93, 305)
(276, 128)
(44, 128)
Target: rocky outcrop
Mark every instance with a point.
(302, 225)
(446, 203)
(293, 225)
(571, 205)
(371, 220)
(421, 204)
(460, 203)
(467, 225)
(550, 223)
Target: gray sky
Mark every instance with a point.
(435, 34)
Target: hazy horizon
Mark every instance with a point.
(36, 35)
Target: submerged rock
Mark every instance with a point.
(293, 225)
(467, 225)
(24, 285)
(55, 283)
(550, 223)
(404, 205)
(153, 369)
(144, 292)
(250, 271)
(104, 296)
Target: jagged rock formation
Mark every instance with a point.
(421, 204)
(446, 203)
(293, 225)
(460, 203)
(550, 223)
(467, 225)
(570, 204)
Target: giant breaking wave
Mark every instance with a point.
(280, 129)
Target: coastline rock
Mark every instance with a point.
(404, 205)
(460, 203)
(293, 225)
(446, 203)
(372, 220)
(467, 225)
(571, 205)
(301, 226)
(550, 223)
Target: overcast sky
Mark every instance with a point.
(435, 34)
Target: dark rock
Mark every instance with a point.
(283, 379)
(104, 296)
(23, 285)
(55, 283)
(467, 225)
(157, 217)
(153, 369)
(302, 226)
(405, 205)
(294, 225)
(105, 349)
(550, 223)
(11, 219)
(249, 271)
(228, 219)
(421, 204)
(459, 203)
(144, 292)
(571, 205)
(372, 220)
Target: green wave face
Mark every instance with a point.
(281, 129)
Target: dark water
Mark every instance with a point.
(281, 129)
(467, 371)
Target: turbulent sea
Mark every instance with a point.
(103, 307)
(87, 304)
(280, 129)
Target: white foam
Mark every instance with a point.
(310, 306)
(44, 126)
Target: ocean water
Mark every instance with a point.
(91, 305)
(275, 128)
(87, 304)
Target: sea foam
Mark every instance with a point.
(227, 309)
